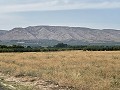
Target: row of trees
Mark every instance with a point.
(58, 47)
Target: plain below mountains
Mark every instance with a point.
(55, 34)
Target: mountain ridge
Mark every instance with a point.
(61, 33)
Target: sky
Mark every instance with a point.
(97, 14)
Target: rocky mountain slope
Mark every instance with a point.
(61, 33)
(2, 32)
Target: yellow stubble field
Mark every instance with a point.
(85, 70)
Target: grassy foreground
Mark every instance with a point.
(85, 70)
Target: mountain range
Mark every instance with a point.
(61, 34)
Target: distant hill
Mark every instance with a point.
(61, 34)
(2, 32)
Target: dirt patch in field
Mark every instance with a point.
(35, 82)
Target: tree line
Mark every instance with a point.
(58, 47)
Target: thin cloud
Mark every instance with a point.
(57, 5)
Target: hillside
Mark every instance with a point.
(61, 34)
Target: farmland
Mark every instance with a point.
(83, 70)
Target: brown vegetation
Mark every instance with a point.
(85, 70)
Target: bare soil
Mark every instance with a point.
(34, 82)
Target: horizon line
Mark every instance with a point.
(58, 26)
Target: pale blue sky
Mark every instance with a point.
(84, 13)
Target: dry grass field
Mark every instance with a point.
(85, 70)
